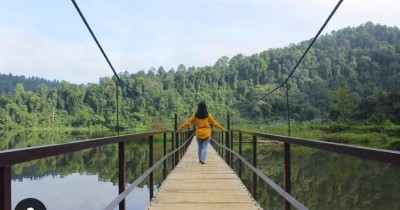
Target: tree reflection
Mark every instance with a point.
(324, 180)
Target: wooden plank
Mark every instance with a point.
(213, 185)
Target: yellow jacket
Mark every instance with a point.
(203, 128)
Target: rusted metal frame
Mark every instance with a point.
(15, 156)
(274, 186)
(381, 155)
(117, 99)
(227, 142)
(254, 185)
(288, 110)
(240, 153)
(219, 141)
(231, 155)
(176, 146)
(172, 148)
(230, 139)
(176, 158)
(5, 187)
(121, 172)
(121, 156)
(151, 161)
(128, 190)
(181, 142)
(287, 152)
(222, 143)
(287, 173)
(164, 153)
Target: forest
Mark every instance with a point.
(349, 76)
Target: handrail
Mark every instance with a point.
(381, 155)
(276, 187)
(15, 156)
(114, 203)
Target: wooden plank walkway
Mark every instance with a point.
(195, 186)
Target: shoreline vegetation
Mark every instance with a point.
(345, 90)
(377, 136)
(385, 135)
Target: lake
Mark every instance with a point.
(82, 180)
(88, 179)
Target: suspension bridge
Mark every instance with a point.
(191, 185)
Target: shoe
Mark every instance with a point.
(202, 162)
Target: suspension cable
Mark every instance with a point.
(301, 58)
(108, 61)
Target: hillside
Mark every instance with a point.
(351, 74)
(9, 81)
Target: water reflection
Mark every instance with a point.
(28, 138)
(324, 180)
(86, 179)
(74, 191)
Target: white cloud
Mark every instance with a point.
(140, 35)
(27, 54)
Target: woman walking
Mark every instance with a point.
(203, 119)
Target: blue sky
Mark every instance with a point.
(47, 38)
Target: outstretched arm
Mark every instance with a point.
(216, 123)
(187, 122)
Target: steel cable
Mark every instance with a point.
(301, 58)
(108, 61)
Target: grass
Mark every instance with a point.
(356, 138)
(371, 135)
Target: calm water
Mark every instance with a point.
(88, 179)
(323, 180)
(74, 191)
(82, 180)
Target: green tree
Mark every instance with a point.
(343, 101)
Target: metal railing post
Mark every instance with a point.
(176, 140)
(219, 141)
(121, 172)
(172, 148)
(287, 105)
(151, 162)
(227, 157)
(287, 173)
(5, 188)
(255, 165)
(287, 153)
(181, 142)
(117, 103)
(240, 153)
(164, 153)
(231, 154)
(222, 142)
(227, 154)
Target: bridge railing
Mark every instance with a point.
(223, 142)
(8, 158)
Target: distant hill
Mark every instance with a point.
(8, 82)
(349, 75)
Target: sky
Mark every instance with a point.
(48, 39)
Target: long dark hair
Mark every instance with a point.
(201, 110)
